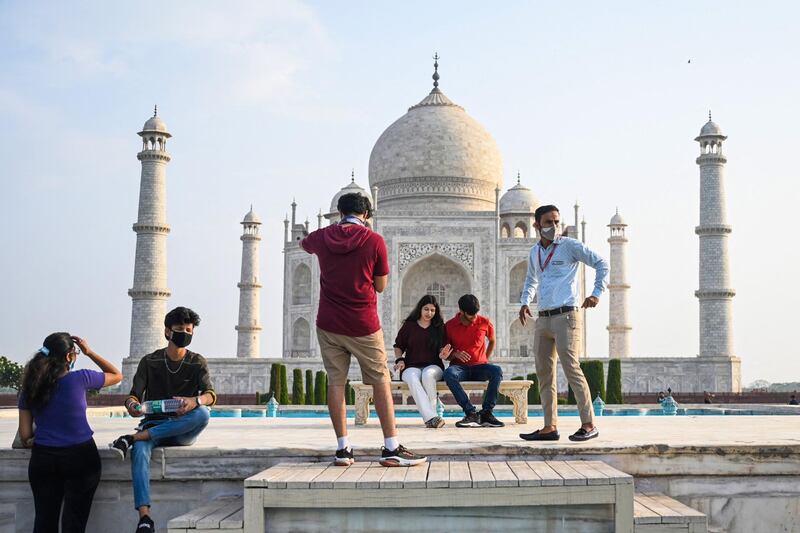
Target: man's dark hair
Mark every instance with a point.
(542, 210)
(469, 304)
(354, 203)
(180, 316)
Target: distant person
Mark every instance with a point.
(417, 349)
(64, 468)
(793, 400)
(471, 342)
(168, 373)
(354, 268)
(707, 397)
(661, 396)
(552, 278)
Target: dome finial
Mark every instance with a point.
(155, 110)
(518, 178)
(709, 115)
(435, 71)
(353, 175)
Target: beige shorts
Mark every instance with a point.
(369, 351)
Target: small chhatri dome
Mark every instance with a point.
(251, 217)
(617, 220)
(155, 125)
(711, 128)
(350, 187)
(518, 199)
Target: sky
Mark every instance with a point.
(273, 100)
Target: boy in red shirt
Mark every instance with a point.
(471, 339)
(353, 268)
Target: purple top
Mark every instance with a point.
(63, 422)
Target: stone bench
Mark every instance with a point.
(225, 515)
(516, 390)
(441, 496)
(657, 513)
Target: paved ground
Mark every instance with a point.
(615, 432)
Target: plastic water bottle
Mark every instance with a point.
(160, 406)
(439, 406)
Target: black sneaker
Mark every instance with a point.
(122, 445)
(436, 422)
(538, 435)
(400, 457)
(471, 420)
(582, 435)
(344, 457)
(488, 420)
(146, 524)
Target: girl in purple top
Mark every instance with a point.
(418, 351)
(64, 468)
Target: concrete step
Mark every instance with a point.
(657, 513)
(225, 515)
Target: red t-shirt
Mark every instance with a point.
(470, 339)
(350, 256)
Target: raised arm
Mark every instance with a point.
(583, 254)
(112, 373)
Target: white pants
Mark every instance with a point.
(422, 383)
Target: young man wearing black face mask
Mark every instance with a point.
(168, 373)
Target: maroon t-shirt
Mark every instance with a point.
(415, 343)
(350, 256)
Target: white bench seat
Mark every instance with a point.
(516, 390)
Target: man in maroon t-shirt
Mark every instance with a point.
(354, 267)
(471, 338)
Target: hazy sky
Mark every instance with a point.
(270, 100)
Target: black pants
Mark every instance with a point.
(66, 475)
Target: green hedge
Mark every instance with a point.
(283, 398)
(349, 394)
(593, 371)
(320, 388)
(534, 398)
(298, 394)
(614, 384)
(309, 387)
(274, 381)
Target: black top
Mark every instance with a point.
(414, 341)
(160, 378)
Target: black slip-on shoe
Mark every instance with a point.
(583, 435)
(344, 457)
(538, 435)
(145, 525)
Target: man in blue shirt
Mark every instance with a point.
(552, 268)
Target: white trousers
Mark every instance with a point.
(422, 383)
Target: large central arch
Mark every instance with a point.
(434, 274)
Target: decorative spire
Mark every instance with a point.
(353, 176)
(435, 71)
(518, 178)
(709, 115)
(155, 110)
(618, 210)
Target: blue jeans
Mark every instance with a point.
(173, 431)
(455, 374)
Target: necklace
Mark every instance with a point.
(167, 364)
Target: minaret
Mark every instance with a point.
(150, 292)
(249, 326)
(619, 329)
(715, 293)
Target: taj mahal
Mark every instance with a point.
(436, 181)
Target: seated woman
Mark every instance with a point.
(417, 350)
(64, 468)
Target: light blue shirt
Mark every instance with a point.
(557, 285)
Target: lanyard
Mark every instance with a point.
(549, 257)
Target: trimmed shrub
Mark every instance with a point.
(309, 387)
(614, 384)
(284, 389)
(274, 382)
(593, 370)
(298, 394)
(534, 398)
(349, 393)
(320, 391)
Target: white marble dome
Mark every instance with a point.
(251, 217)
(710, 128)
(518, 199)
(436, 157)
(155, 124)
(350, 187)
(617, 220)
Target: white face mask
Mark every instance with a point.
(551, 233)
